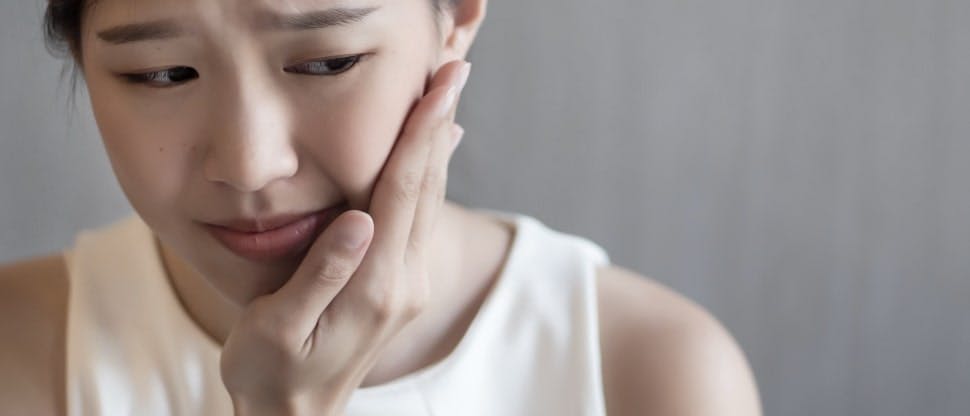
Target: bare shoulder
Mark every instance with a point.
(33, 314)
(663, 354)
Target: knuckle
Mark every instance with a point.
(416, 244)
(415, 306)
(415, 255)
(385, 305)
(408, 187)
(391, 304)
(380, 305)
(433, 182)
(272, 329)
(420, 297)
(441, 189)
(333, 270)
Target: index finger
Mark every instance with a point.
(397, 191)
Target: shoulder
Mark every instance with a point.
(663, 354)
(33, 315)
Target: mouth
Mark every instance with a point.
(276, 239)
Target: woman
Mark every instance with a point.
(293, 252)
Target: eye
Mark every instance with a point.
(163, 79)
(326, 67)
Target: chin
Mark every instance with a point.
(242, 281)
(237, 279)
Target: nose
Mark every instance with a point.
(249, 143)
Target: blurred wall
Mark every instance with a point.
(798, 167)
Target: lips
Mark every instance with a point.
(273, 238)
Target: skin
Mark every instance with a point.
(246, 139)
(252, 139)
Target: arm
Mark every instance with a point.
(33, 312)
(663, 354)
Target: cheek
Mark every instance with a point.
(352, 135)
(148, 160)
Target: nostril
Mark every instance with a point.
(249, 170)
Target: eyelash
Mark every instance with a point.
(305, 68)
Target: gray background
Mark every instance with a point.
(798, 167)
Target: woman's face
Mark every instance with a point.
(243, 111)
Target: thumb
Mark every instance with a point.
(331, 261)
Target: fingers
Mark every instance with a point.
(398, 190)
(465, 70)
(413, 177)
(331, 261)
(445, 137)
(432, 196)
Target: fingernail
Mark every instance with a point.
(457, 132)
(447, 102)
(351, 238)
(466, 69)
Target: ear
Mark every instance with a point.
(459, 24)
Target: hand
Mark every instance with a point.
(304, 349)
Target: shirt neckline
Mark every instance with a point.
(520, 226)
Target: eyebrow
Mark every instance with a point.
(265, 20)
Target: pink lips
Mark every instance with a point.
(277, 240)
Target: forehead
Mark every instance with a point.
(226, 13)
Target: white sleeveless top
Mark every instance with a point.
(532, 349)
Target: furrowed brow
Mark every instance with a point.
(266, 20)
(137, 32)
(312, 20)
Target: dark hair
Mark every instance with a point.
(62, 25)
